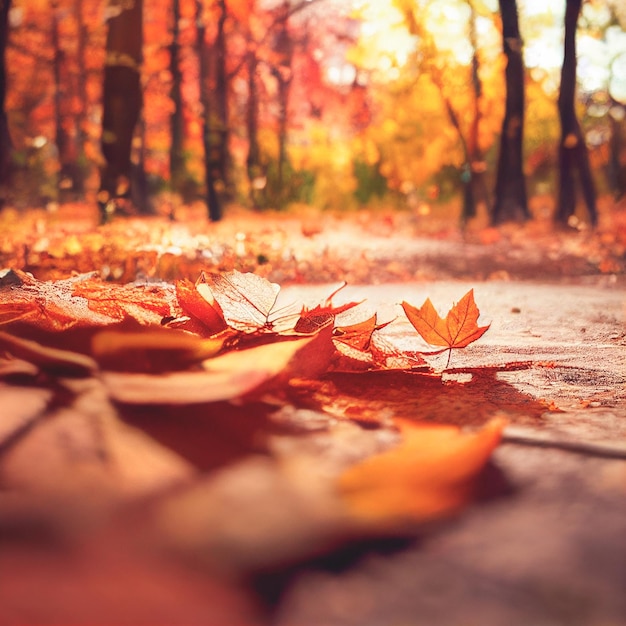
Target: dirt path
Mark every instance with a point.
(551, 551)
(544, 543)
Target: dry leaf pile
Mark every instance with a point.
(174, 409)
(361, 247)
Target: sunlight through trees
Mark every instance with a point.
(413, 104)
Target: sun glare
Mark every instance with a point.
(389, 44)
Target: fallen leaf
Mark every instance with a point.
(457, 330)
(225, 377)
(431, 474)
(312, 320)
(251, 516)
(151, 349)
(83, 457)
(51, 360)
(11, 367)
(352, 359)
(48, 305)
(362, 347)
(313, 359)
(16, 312)
(145, 303)
(198, 302)
(247, 302)
(357, 336)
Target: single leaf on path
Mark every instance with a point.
(457, 330)
(431, 474)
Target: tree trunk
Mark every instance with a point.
(210, 174)
(140, 193)
(121, 103)
(177, 164)
(616, 171)
(511, 203)
(475, 189)
(67, 146)
(80, 172)
(221, 130)
(253, 160)
(573, 154)
(469, 203)
(5, 137)
(283, 73)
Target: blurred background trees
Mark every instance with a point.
(421, 104)
(511, 202)
(5, 137)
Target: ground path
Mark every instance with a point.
(552, 550)
(545, 543)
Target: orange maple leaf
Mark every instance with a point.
(457, 330)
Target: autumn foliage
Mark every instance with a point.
(225, 338)
(385, 103)
(138, 324)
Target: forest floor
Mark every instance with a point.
(312, 247)
(542, 543)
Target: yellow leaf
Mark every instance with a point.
(151, 349)
(430, 475)
(231, 375)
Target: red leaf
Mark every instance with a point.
(312, 320)
(197, 301)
